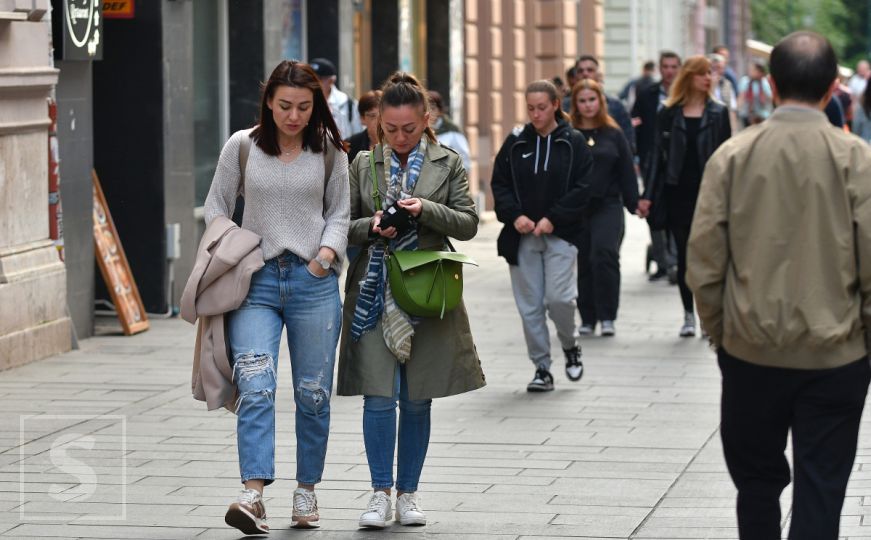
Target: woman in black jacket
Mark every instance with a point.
(539, 188)
(689, 129)
(613, 185)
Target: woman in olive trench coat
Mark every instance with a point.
(443, 360)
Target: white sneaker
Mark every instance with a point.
(689, 325)
(608, 329)
(378, 512)
(408, 511)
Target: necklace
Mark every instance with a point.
(289, 150)
(590, 140)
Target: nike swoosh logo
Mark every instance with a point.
(527, 155)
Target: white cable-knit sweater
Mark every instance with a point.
(287, 204)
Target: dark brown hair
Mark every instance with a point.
(400, 89)
(369, 101)
(548, 88)
(321, 128)
(436, 99)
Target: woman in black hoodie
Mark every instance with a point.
(540, 190)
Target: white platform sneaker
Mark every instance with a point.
(408, 511)
(378, 512)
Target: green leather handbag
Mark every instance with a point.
(424, 283)
(427, 283)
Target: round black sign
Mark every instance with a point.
(83, 24)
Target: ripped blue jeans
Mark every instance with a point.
(285, 294)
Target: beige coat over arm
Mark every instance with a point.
(227, 257)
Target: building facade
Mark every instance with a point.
(33, 314)
(637, 30)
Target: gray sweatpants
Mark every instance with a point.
(544, 284)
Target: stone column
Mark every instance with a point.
(33, 320)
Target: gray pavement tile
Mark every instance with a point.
(103, 531)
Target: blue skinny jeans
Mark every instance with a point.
(379, 434)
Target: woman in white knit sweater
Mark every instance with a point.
(301, 211)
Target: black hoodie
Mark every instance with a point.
(541, 177)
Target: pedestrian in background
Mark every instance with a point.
(343, 107)
(636, 86)
(303, 225)
(728, 73)
(858, 82)
(780, 262)
(613, 185)
(723, 90)
(644, 113)
(689, 129)
(862, 117)
(368, 136)
(754, 95)
(540, 189)
(447, 132)
(386, 355)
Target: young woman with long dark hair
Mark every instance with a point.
(302, 217)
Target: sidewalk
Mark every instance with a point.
(630, 451)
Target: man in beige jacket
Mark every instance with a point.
(780, 264)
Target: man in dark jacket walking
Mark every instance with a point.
(540, 190)
(648, 103)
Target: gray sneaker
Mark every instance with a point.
(689, 325)
(248, 513)
(608, 329)
(305, 510)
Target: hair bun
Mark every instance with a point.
(403, 77)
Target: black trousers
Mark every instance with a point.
(599, 263)
(681, 239)
(822, 408)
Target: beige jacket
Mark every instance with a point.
(227, 257)
(779, 255)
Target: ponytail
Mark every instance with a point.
(403, 88)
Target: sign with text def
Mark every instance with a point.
(118, 9)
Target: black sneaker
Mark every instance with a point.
(574, 366)
(542, 382)
(660, 274)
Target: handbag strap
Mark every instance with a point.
(376, 197)
(244, 150)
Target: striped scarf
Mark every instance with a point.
(376, 300)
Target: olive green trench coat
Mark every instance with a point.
(443, 360)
